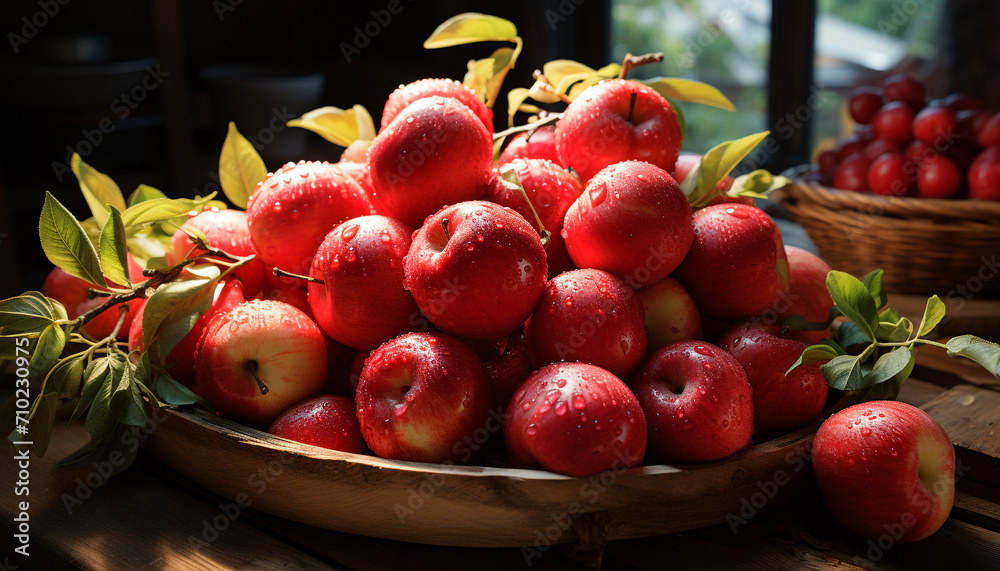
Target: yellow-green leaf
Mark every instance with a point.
(721, 160)
(142, 193)
(47, 351)
(690, 90)
(556, 70)
(28, 312)
(113, 254)
(756, 184)
(339, 126)
(515, 97)
(66, 244)
(933, 314)
(240, 167)
(479, 72)
(160, 209)
(98, 189)
(471, 27)
(540, 92)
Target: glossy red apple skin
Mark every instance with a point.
(420, 395)
(74, 294)
(327, 421)
(984, 175)
(575, 419)
(632, 220)
(436, 152)
(736, 266)
(551, 190)
(288, 350)
(885, 468)
(617, 120)
(537, 144)
(292, 291)
(293, 209)
(483, 276)
(507, 367)
(808, 295)
(588, 316)
(697, 402)
(362, 302)
(405, 95)
(180, 360)
(782, 403)
(228, 231)
(671, 315)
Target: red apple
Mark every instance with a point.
(589, 316)
(737, 266)
(886, 471)
(617, 120)
(476, 269)
(551, 190)
(293, 291)
(361, 302)
(507, 367)
(420, 395)
(258, 359)
(226, 230)
(436, 152)
(670, 312)
(355, 153)
(537, 144)
(327, 421)
(292, 211)
(781, 403)
(989, 134)
(632, 220)
(74, 294)
(575, 419)
(808, 295)
(697, 403)
(405, 95)
(180, 361)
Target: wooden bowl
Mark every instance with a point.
(468, 505)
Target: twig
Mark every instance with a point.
(633, 61)
(529, 126)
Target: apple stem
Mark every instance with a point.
(260, 384)
(631, 104)
(284, 274)
(444, 226)
(633, 61)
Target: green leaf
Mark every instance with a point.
(65, 378)
(97, 374)
(101, 417)
(47, 350)
(66, 244)
(756, 184)
(126, 402)
(339, 126)
(853, 300)
(240, 167)
(690, 90)
(172, 392)
(471, 27)
(888, 366)
(28, 312)
(851, 336)
(40, 422)
(160, 209)
(171, 303)
(681, 119)
(800, 323)
(889, 315)
(984, 352)
(843, 372)
(556, 71)
(113, 253)
(873, 281)
(515, 98)
(933, 314)
(894, 332)
(143, 193)
(814, 354)
(486, 76)
(718, 163)
(85, 452)
(98, 189)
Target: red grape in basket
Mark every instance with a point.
(361, 302)
(537, 144)
(226, 230)
(436, 152)
(864, 102)
(327, 421)
(737, 266)
(292, 211)
(697, 403)
(632, 220)
(989, 134)
(891, 174)
(905, 89)
(984, 175)
(405, 95)
(575, 419)
(894, 122)
(617, 120)
(938, 177)
(420, 396)
(852, 173)
(936, 126)
(476, 269)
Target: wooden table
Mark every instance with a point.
(151, 517)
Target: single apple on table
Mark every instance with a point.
(781, 403)
(327, 421)
(258, 359)
(885, 468)
(74, 294)
(476, 269)
(588, 316)
(420, 396)
(670, 314)
(697, 401)
(226, 230)
(575, 419)
(632, 220)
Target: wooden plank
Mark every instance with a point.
(971, 417)
(132, 522)
(934, 365)
(917, 392)
(977, 504)
(965, 314)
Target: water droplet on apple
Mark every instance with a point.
(349, 231)
(624, 345)
(531, 430)
(702, 350)
(598, 193)
(562, 408)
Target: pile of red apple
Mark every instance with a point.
(592, 321)
(905, 145)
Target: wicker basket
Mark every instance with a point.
(925, 246)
